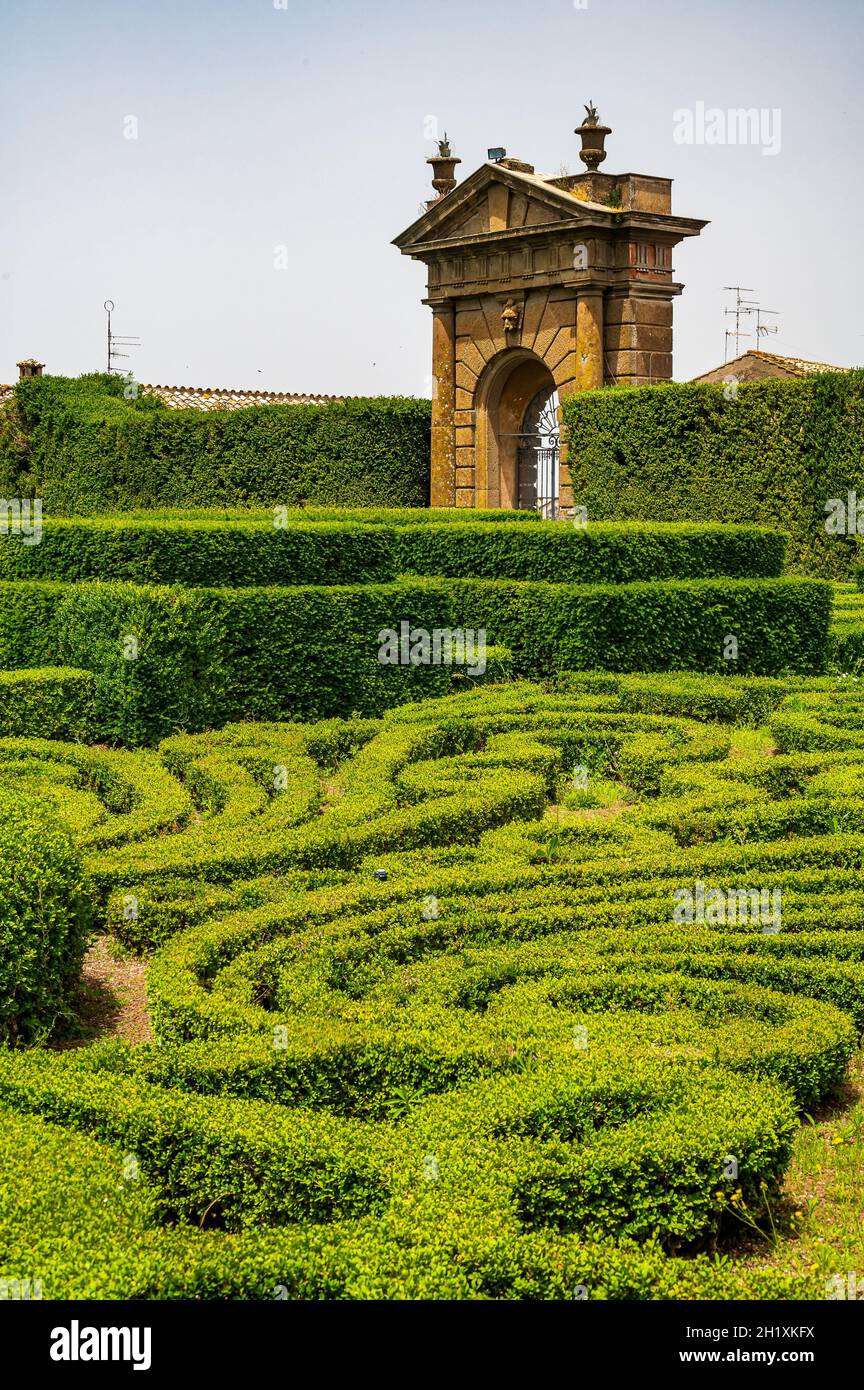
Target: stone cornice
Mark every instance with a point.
(665, 225)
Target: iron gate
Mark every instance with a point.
(538, 455)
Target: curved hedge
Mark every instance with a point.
(427, 1024)
(45, 916)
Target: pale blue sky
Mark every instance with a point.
(306, 127)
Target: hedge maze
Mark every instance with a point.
(427, 1023)
(514, 986)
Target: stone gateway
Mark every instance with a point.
(539, 286)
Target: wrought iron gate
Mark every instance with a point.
(537, 455)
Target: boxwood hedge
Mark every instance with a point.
(166, 658)
(419, 1033)
(259, 552)
(45, 917)
(55, 702)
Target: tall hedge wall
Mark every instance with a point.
(773, 453)
(82, 448)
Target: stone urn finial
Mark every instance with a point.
(593, 136)
(443, 163)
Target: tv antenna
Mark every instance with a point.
(742, 308)
(763, 329)
(115, 343)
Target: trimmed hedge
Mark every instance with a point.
(172, 658)
(242, 554)
(53, 702)
(205, 656)
(780, 625)
(71, 1209)
(29, 623)
(45, 916)
(360, 516)
(202, 553)
(847, 630)
(83, 449)
(558, 552)
(772, 454)
(71, 1223)
(506, 1068)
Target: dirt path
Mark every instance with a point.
(113, 998)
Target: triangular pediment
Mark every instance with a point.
(493, 200)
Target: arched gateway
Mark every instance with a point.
(539, 286)
(516, 433)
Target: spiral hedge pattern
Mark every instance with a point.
(431, 1020)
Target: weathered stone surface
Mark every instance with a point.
(649, 311)
(518, 310)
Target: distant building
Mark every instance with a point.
(224, 398)
(758, 366)
(195, 397)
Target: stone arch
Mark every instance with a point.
(508, 382)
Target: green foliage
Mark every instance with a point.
(780, 625)
(200, 553)
(83, 449)
(741, 701)
(846, 643)
(503, 1071)
(772, 454)
(173, 658)
(71, 1223)
(28, 623)
(597, 554)
(205, 656)
(45, 913)
(254, 551)
(57, 701)
(270, 644)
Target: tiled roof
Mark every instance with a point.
(800, 366)
(218, 397)
(223, 398)
(755, 365)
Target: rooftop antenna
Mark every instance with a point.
(115, 343)
(742, 307)
(763, 329)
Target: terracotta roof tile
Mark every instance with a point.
(224, 398)
(800, 366)
(218, 397)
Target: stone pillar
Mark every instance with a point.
(639, 337)
(442, 490)
(589, 340)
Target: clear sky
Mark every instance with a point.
(306, 127)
